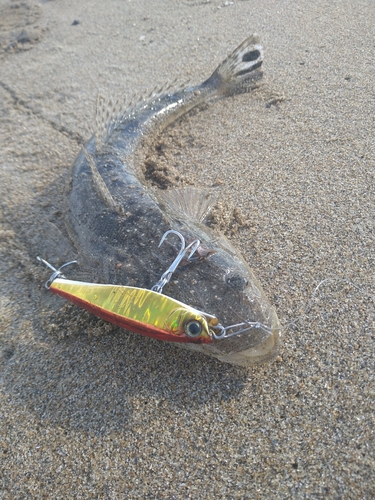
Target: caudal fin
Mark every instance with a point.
(239, 67)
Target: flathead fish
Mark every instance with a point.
(115, 218)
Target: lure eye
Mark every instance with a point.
(193, 329)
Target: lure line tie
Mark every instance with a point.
(226, 332)
(57, 272)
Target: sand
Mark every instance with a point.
(89, 411)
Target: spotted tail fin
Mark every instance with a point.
(239, 68)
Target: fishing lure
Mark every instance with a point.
(143, 311)
(139, 310)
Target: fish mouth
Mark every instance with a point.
(254, 355)
(249, 342)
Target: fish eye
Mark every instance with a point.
(236, 281)
(193, 328)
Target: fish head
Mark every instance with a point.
(220, 283)
(247, 330)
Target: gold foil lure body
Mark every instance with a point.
(138, 310)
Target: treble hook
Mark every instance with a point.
(57, 272)
(165, 278)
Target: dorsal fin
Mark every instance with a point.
(188, 203)
(110, 112)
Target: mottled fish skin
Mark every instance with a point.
(116, 221)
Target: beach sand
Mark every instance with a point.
(90, 411)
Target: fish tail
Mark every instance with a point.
(239, 69)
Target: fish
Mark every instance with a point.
(115, 216)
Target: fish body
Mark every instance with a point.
(115, 219)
